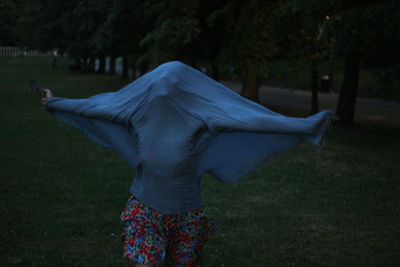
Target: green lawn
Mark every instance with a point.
(62, 195)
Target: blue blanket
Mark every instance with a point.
(175, 123)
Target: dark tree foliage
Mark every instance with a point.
(303, 22)
(364, 31)
(253, 42)
(238, 32)
(355, 31)
(121, 32)
(242, 35)
(8, 22)
(175, 31)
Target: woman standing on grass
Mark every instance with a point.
(171, 126)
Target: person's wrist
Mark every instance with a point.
(49, 93)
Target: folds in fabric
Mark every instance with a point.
(176, 121)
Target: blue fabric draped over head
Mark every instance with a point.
(175, 123)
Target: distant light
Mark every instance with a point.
(327, 17)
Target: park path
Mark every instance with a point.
(368, 110)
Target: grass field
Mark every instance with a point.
(62, 195)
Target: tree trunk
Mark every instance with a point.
(112, 65)
(125, 66)
(78, 63)
(331, 77)
(133, 64)
(91, 64)
(193, 62)
(348, 93)
(250, 88)
(143, 69)
(215, 70)
(314, 86)
(102, 64)
(84, 64)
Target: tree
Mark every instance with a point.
(8, 21)
(251, 26)
(303, 23)
(213, 34)
(357, 34)
(125, 26)
(238, 31)
(175, 30)
(89, 15)
(50, 25)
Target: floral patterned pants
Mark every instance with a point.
(153, 238)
